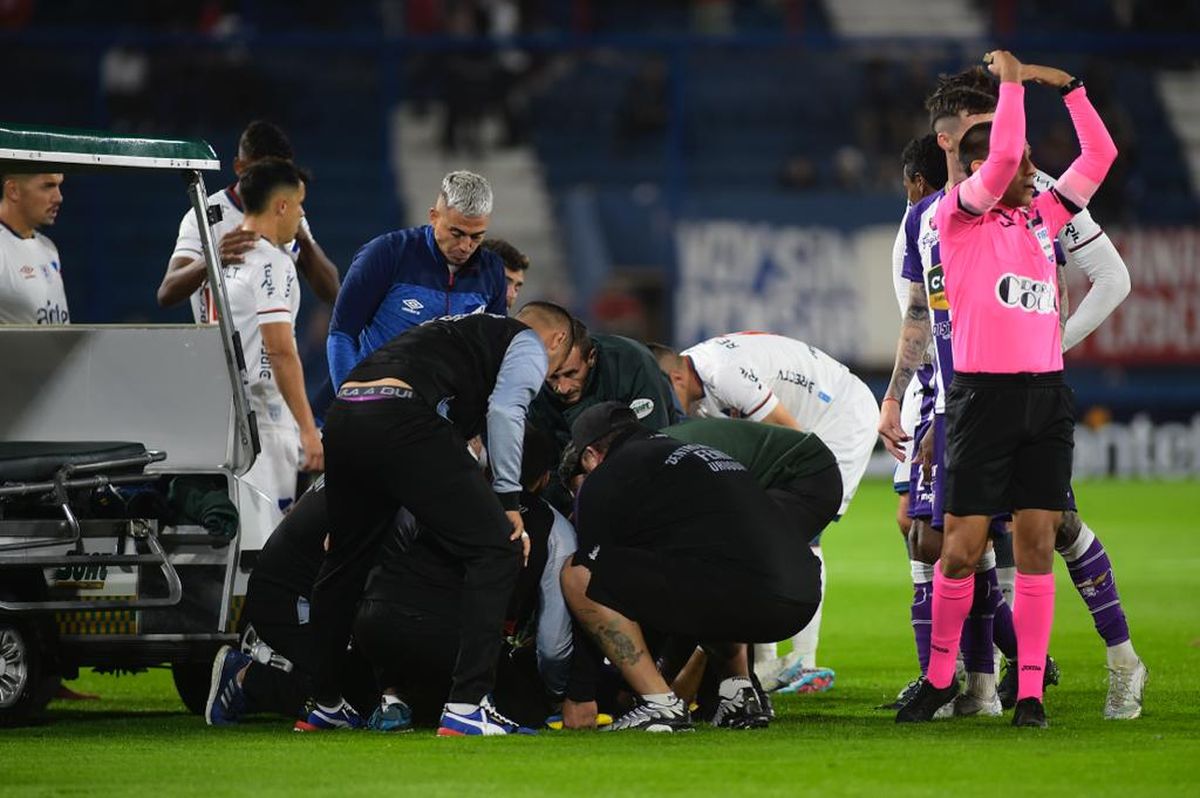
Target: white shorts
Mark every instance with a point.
(910, 414)
(850, 430)
(277, 465)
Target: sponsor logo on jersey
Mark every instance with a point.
(796, 378)
(414, 306)
(51, 314)
(935, 285)
(268, 281)
(749, 374)
(1071, 232)
(1031, 296)
(642, 407)
(28, 272)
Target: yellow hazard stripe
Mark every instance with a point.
(235, 613)
(98, 622)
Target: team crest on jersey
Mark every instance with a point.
(935, 285)
(28, 272)
(412, 306)
(642, 407)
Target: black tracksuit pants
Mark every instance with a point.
(272, 611)
(379, 456)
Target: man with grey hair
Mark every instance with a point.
(407, 277)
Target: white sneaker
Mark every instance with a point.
(1125, 688)
(969, 704)
(739, 707)
(480, 720)
(654, 717)
(769, 671)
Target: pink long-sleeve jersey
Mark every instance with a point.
(1001, 276)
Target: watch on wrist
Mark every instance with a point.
(1071, 86)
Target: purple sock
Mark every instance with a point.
(977, 630)
(1093, 578)
(922, 620)
(1003, 633)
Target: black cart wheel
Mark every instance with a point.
(192, 679)
(25, 688)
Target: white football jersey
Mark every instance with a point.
(263, 290)
(747, 374)
(187, 243)
(31, 284)
(899, 282)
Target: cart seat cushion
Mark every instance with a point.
(36, 461)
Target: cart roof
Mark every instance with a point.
(45, 149)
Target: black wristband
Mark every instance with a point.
(1075, 83)
(510, 501)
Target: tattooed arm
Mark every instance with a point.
(1064, 299)
(915, 337)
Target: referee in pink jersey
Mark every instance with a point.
(1009, 415)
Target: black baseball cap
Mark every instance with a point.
(599, 420)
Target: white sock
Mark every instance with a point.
(987, 562)
(1006, 577)
(389, 699)
(764, 653)
(804, 643)
(728, 688)
(663, 699)
(1081, 545)
(461, 709)
(981, 684)
(921, 572)
(1122, 655)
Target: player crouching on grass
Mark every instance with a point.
(1009, 415)
(679, 538)
(408, 625)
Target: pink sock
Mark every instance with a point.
(951, 605)
(1033, 615)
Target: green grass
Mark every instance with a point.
(139, 739)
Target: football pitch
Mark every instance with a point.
(138, 740)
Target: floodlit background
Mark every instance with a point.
(674, 169)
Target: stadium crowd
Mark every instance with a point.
(518, 522)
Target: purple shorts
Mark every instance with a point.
(920, 490)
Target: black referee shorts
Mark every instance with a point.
(1010, 439)
(693, 598)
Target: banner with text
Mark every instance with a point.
(821, 285)
(833, 289)
(1159, 322)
